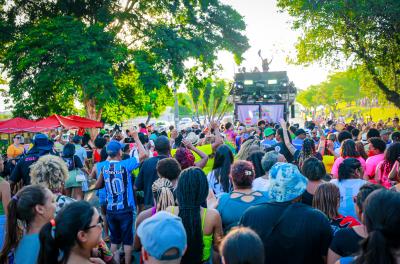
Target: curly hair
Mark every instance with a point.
(49, 171)
(185, 157)
(242, 173)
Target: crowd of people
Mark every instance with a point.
(327, 192)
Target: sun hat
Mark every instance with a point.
(161, 233)
(269, 131)
(286, 182)
(42, 142)
(192, 138)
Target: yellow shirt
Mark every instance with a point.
(13, 151)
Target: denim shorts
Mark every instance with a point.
(120, 226)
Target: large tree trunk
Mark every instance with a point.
(92, 113)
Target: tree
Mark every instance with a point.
(365, 33)
(58, 60)
(168, 32)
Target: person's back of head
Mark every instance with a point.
(50, 171)
(313, 169)
(355, 132)
(100, 142)
(377, 144)
(68, 150)
(396, 136)
(163, 195)
(348, 149)
(373, 132)
(327, 199)
(270, 158)
(168, 168)
(222, 166)
(242, 246)
(343, 135)
(242, 174)
(350, 169)
(162, 145)
(255, 158)
(382, 220)
(362, 195)
(163, 239)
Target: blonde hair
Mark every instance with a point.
(247, 147)
(162, 190)
(49, 171)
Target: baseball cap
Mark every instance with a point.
(161, 233)
(113, 147)
(268, 132)
(300, 131)
(385, 132)
(286, 182)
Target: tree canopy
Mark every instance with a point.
(115, 57)
(339, 32)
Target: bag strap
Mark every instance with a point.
(276, 224)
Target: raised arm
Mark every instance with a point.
(204, 158)
(286, 139)
(218, 138)
(142, 152)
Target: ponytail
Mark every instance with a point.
(21, 207)
(48, 254)
(58, 237)
(375, 250)
(13, 231)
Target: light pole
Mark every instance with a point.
(176, 106)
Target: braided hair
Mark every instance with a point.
(307, 151)
(191, 192)
(162, 190)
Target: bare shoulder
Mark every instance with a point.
(213, 214)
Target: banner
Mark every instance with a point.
(272, 113)
(248, 114)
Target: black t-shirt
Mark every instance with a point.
(307, 198)
(282, 149)
(147, 175)
(22, 169)
(302, 236)
(346, 242)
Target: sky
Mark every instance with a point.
(269, 29)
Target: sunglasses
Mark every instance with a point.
(99, 223)
(17, 137)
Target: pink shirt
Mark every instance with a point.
(371, 164)
(338, 161)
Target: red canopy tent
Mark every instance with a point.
(16, 125)
(52, 122)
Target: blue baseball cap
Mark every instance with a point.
(286, 182)
(161, 233)
(114, 147)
